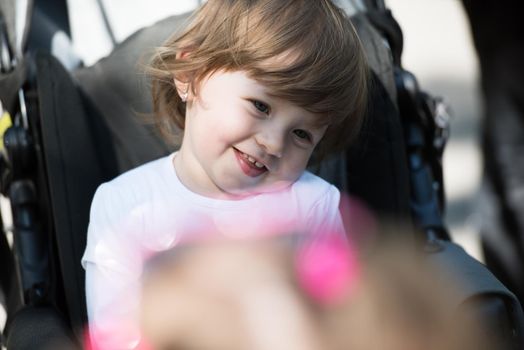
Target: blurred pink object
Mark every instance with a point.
(104, 340)
(327, 269)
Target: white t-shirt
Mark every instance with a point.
(148, 210)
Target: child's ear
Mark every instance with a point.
(182, 81)
(182, 87)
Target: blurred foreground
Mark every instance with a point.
(259, 295)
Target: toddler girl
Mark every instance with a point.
(255, 86)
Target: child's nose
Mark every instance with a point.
(272, 143)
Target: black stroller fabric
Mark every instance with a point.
(74, 171)
(40, 328)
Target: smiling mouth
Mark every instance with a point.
(249, 165)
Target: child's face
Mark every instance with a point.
(239, 140)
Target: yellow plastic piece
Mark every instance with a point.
(5, 123)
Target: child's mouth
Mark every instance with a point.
(249, 165)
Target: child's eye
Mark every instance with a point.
(302, 134)
(261, 106)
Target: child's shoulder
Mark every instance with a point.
(141, 181)
(152, 170)
(313, 187)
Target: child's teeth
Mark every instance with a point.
(252, 160)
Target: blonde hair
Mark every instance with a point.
(305, 51)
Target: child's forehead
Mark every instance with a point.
(236, 80)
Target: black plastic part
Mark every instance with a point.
(20, 151)
(57, 11)
(498, 320)
(426, 183)
(30, 242)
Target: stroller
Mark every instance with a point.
(66, 132)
